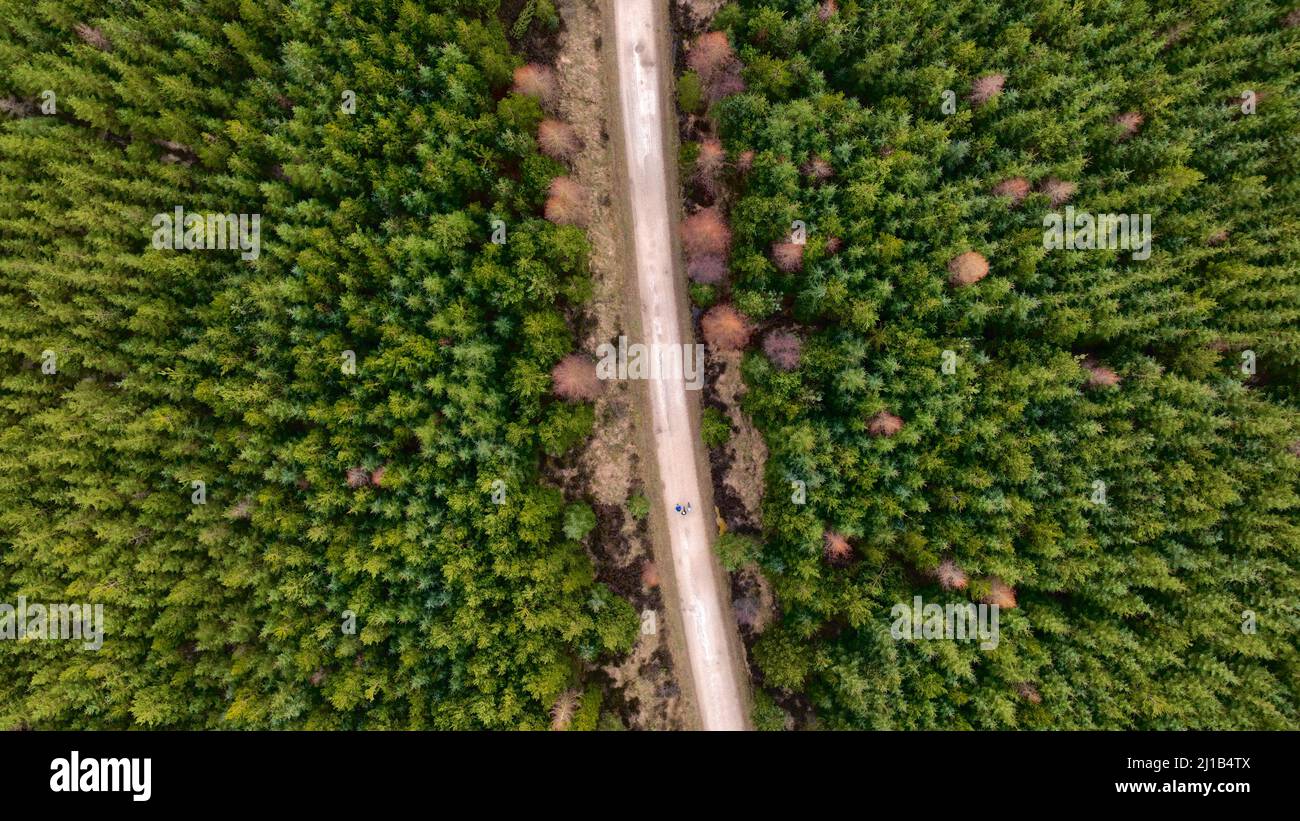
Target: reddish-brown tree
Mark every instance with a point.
(818, 169)
(707, 269)
(837, 548)
(1029, 692)
(725, 328)
(710, 55)
(574, 379)
(986, 88)
(1016, 189)
(1058, 191)
(567, 203)
(950, 576)
(884, 424)
(1099, 376)
(558, 140)
(358, 477)
(536, 80)
(726, 84)
(16, 107)
(788, 256)
(713, 60)
(92, 37)
(1000, 593)
(967, 268)
(708, 165)
(1130, 122)
(1175, 33)
(706, 232)
(564, 709)
(784, 348)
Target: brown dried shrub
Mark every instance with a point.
(884, 424)
(706, 232)
(827, 10)
(1217, 238)
(574, 379)
(833, 245)
(558, 140)
(567, 203)
(1291, 20)
(725, 328)
(377, 475)
(986, 88)
(784, 348)
(650, 575)
(745, 161)
(967, 268)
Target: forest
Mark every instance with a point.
(291, 303)
(1105, 446)
(303, 481)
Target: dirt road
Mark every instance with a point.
(709, 633)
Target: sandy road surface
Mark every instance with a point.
(709, 637)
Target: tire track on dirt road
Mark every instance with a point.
(711, 641)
